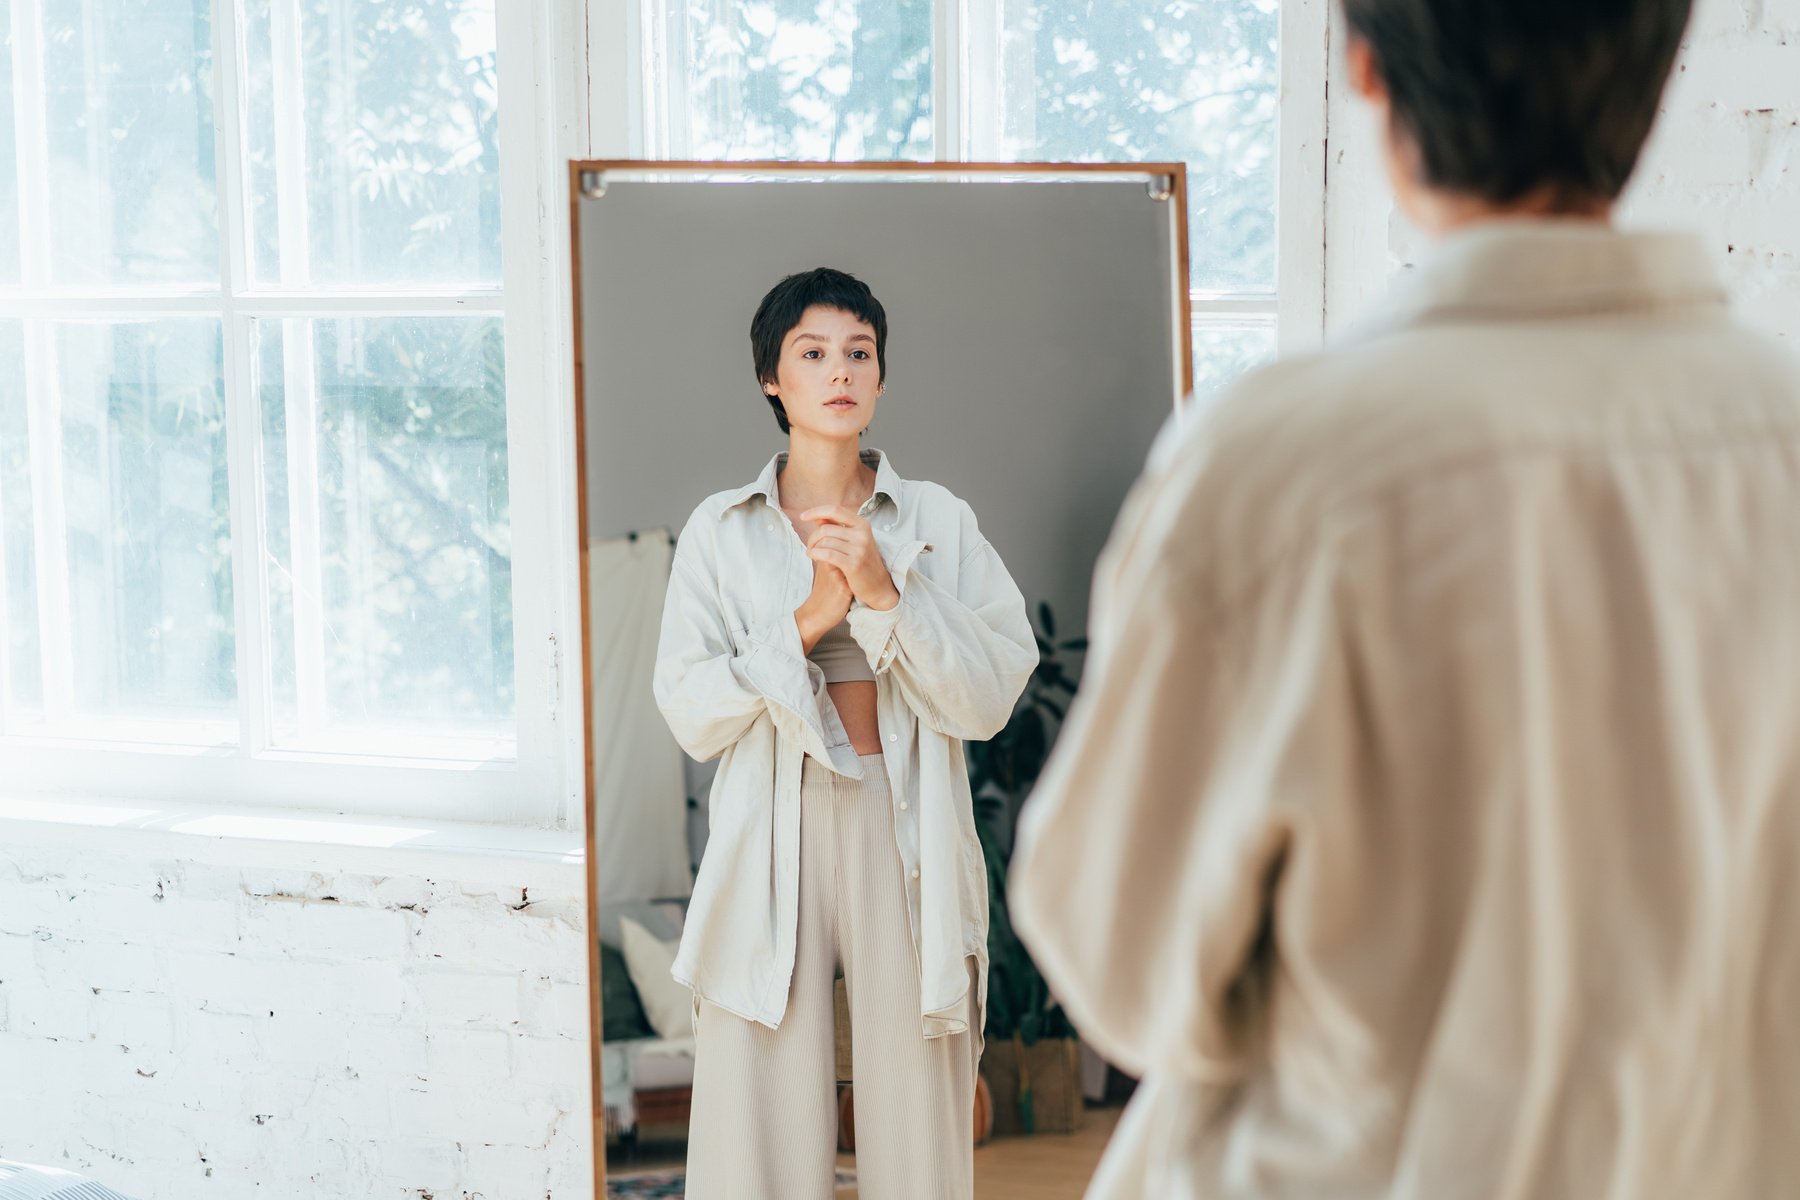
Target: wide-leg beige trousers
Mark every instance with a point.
(764, 1124)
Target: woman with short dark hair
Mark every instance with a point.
(833, 633)
(1428, 821)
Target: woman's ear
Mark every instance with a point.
(1364, 72)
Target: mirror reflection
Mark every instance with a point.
(850, 447)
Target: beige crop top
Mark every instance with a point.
(840, 657)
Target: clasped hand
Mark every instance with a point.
(846, 541)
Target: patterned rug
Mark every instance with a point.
(674, 1183)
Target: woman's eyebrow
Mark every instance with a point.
(819, 337)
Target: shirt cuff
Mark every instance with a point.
(777, 667)
(873, 628)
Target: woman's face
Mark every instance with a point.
(828, 377)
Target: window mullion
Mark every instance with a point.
(300, 422)
(305, 539)
(288, 100)
(44, 421)
(43, 435)
(232, 150)
(33, 143)
(666, 61)
(243, 426)
(980, 119)
(98, 122)
(948, 73)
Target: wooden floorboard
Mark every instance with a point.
(1046, 1166)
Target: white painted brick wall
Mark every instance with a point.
(185, 1025)
(1724, 160)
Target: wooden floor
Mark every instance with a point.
(1043, 1167)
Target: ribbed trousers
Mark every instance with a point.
(764, 1123)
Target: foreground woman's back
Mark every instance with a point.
(1429, 820)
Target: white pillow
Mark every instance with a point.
(669, 1005)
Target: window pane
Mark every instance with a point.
(130, 120)
(1136, 81)
(374, 156)
(146, 517)
(390, 572)
(22, 677)
(1224, 350)
(808, 79)
(9, 168)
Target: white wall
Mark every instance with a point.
(184, 1015)
(1723, 160)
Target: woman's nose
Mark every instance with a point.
(841, 369)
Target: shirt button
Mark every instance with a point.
(893, 737)
(915, 872)
(903, 806)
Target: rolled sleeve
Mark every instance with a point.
(961, 658)
(711, 691)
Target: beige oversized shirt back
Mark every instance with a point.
(1428, 822)
(734, 683)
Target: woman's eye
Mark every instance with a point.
(811, 354)
(859, 353)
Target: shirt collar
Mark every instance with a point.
(887, 480)
(1523, 269)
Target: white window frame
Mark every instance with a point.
(966, 35)
(543, 105)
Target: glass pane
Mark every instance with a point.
(9, 169)
(130, 120)
(374, 155)
(147, 518)
(808, 79)
(1164, 80)
(389, 555)
(21, 675)
(1224, 350)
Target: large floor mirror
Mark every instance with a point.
(1038, 339)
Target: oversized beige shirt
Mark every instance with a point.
(1428, 822)
(733, 680)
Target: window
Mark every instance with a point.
(1051, 80)
(260, 319)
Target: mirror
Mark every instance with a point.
(1037, 340)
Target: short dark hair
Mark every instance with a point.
(1506, 97)
(788, 300)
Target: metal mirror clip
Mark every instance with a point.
(1161, 187)
(593, 184)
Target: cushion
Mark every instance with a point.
(668, 1004)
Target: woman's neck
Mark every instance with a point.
(822, 471)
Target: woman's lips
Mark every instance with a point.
(840, 404)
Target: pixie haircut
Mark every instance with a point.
(782, 308)
(1506, 97)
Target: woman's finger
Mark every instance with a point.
(832, 514)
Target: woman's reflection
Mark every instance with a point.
(832, 633)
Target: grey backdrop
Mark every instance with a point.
(1030, 356)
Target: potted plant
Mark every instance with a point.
(1032, 1060)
